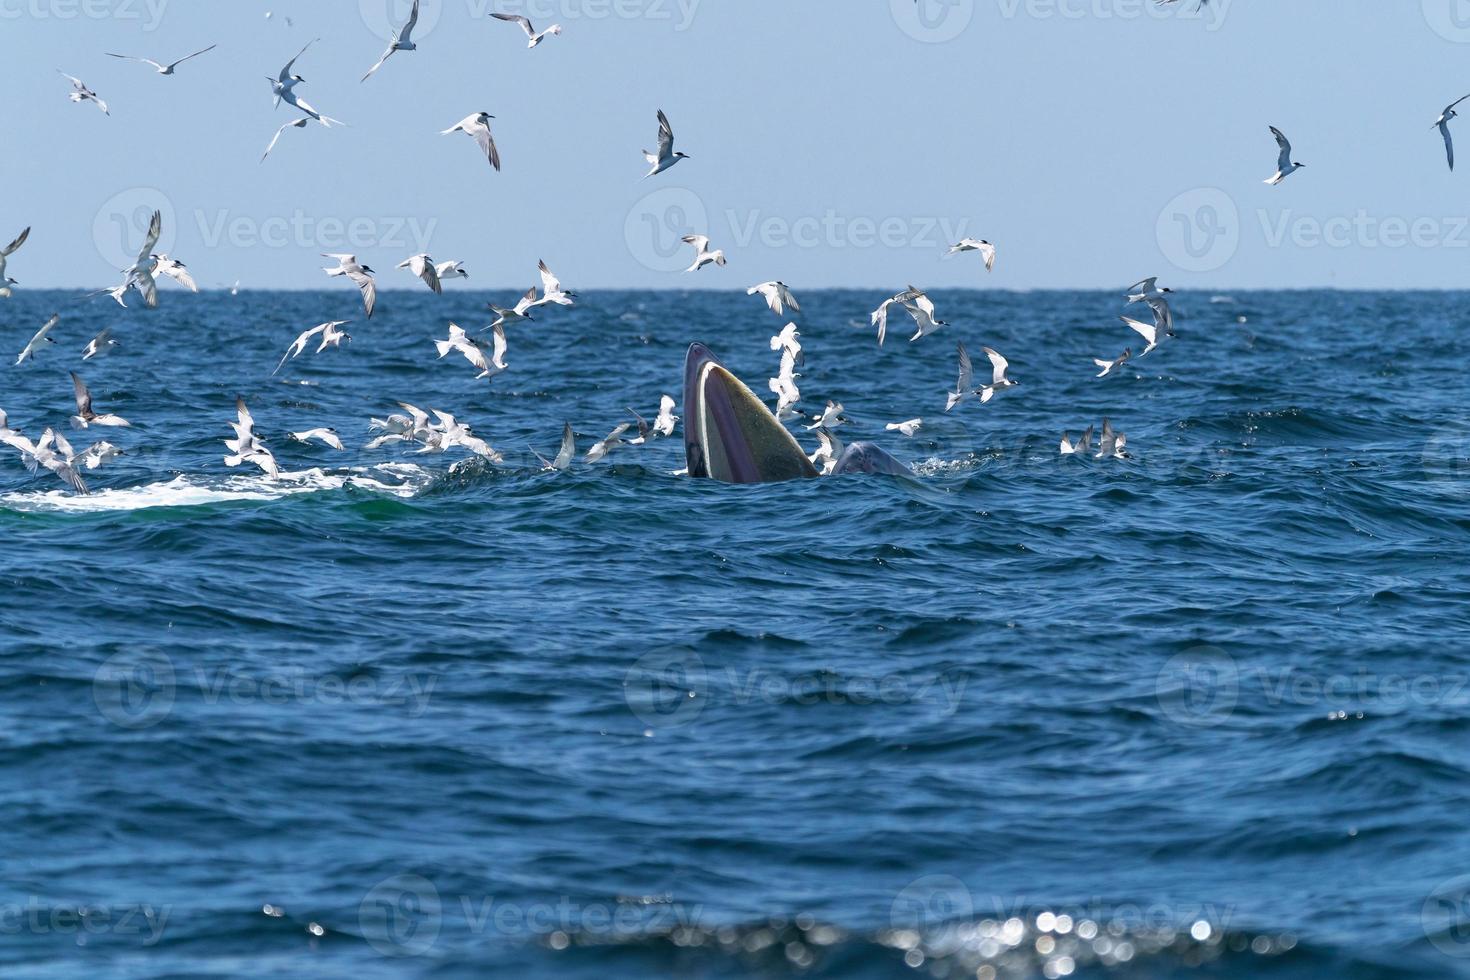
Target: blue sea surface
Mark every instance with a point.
(1201, 712)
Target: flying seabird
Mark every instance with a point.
(80, 92)
(1108, 367)
(423, 267)
(1078, 448)
(522, 310)
(604, 446)
(964, 387)
(564, 455)
(5, 281)
(551, 288)
(703, 256)
(986, 250)
(100, 344)
(907, 428)
(162, 69)
(1443, 122)
(1147, 289)
(295, 123)
(777, 296)
(85, 415)
(478, 126)
(361, 276)
(998, 379)
(1151, 333)
(665, 157)
(525, 23)
(402, 40)
(326, 436)
(42, 337)
(1285, 166)
(330, 337)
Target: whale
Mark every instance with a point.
(731, 436)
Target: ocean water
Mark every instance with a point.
(1202, 712)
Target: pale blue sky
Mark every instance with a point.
(834, 142)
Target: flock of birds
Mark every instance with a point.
(436, 431)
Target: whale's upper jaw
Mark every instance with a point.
(729, 434)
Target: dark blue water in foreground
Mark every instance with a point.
(1199, 713)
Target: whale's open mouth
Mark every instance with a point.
(729, 435)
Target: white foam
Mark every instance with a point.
(398, 479)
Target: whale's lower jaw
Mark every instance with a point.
(729, 435)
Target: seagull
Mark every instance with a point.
(921, 308)
(246, 447)
(645, 431)
(789, 343)
(1285, 166)
(525, 23)
(1112, 444)
(55, 454)
(460, 341)
(1443, 122)
(423, 267)
(85, 415)
(5, 281)
(830, 418)
(361, 276)
(663, 425)
(97, 455)
(99, 344)
(964, 387)
(162, 69)
(551, 288)
(326, 436)
(1078, 448)
(296, 123)
(140, 273)
(1163, 316)
(986, 250)
(80, 92)
(1108, 367)
(829, 451)
(703, 256)
(330, 337)
(783, 386)
(666, 157)
(1147, 289)
(175, 270)
(907, 428)
(603, 447)
(1150, 332)
(42, 336)
(998, 379)
(455, 433)
(564, 455)
(451, 270)
(777, 296)
(879, 317)
(521, 312)
(402, 40)
(497, 355)
(478, 126)
(283, 87)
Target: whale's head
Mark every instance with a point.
(729, 434)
